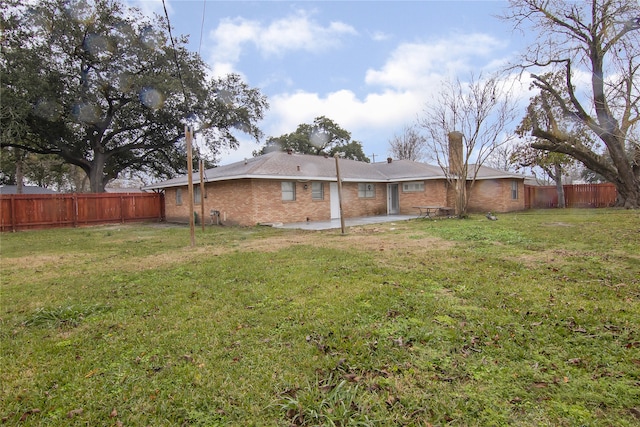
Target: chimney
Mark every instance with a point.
(389, 160)
(455, 153)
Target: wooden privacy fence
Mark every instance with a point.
(575, 196)
(26, 211)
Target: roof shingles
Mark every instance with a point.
(279, 165)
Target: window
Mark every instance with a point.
(317, 191)
(178, 196)
(288, 191)
(196, 195)
(413, 187)
(514, 190)
(366, 190)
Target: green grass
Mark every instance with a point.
(533, 319)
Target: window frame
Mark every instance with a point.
(366, 193)
(291, 192)
(317, 191)
(514, 190)
(178, 196)
(406, 187)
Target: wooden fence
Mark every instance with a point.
(27, 211)
(575, 196)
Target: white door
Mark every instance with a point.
(334, 200)
(393, 200)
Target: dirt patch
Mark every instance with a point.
(376, 238)
(362, 238)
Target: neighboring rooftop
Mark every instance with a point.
(26, 189)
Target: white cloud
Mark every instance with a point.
(412, 72)
(230, 37)
(414, 65)
(297, 32)
(380, 36)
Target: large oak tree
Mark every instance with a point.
(595, 46)
(323, 136)
(107, 89)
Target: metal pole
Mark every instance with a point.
(337, 156)
(188, 135)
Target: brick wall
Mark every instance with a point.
(495, 195)
(250, 202)
(434, 194)
(354, 206)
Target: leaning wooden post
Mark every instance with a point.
(337, 156)
(192, 225)
(457, 172)
(202, 193)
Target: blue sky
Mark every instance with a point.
(370, 66)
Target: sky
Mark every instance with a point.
(370, 66)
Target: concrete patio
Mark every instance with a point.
(348, 222)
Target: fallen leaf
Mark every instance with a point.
(74, 412)
(352, 378)
(635, 412)
(91, 373)
(29, 412)
(540, 385)
(114, 413)
(392, 400)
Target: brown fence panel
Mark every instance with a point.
(25, 211)
(575, 196)
(536, 197)
(590, 195)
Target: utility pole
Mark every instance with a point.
(188, 133)
(337, 156)
(373, 156)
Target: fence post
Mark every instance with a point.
(13, 213)
(74, 198)
(121, 209)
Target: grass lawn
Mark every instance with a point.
(533, 319)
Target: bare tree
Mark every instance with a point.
(599, 39)
(481, 110)
(502, 158)
(409, 145)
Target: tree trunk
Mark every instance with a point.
(559, 187)
(96, 172)
(19, 175)
(628, 195)
(461, 198)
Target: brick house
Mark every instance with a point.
(287, 187)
